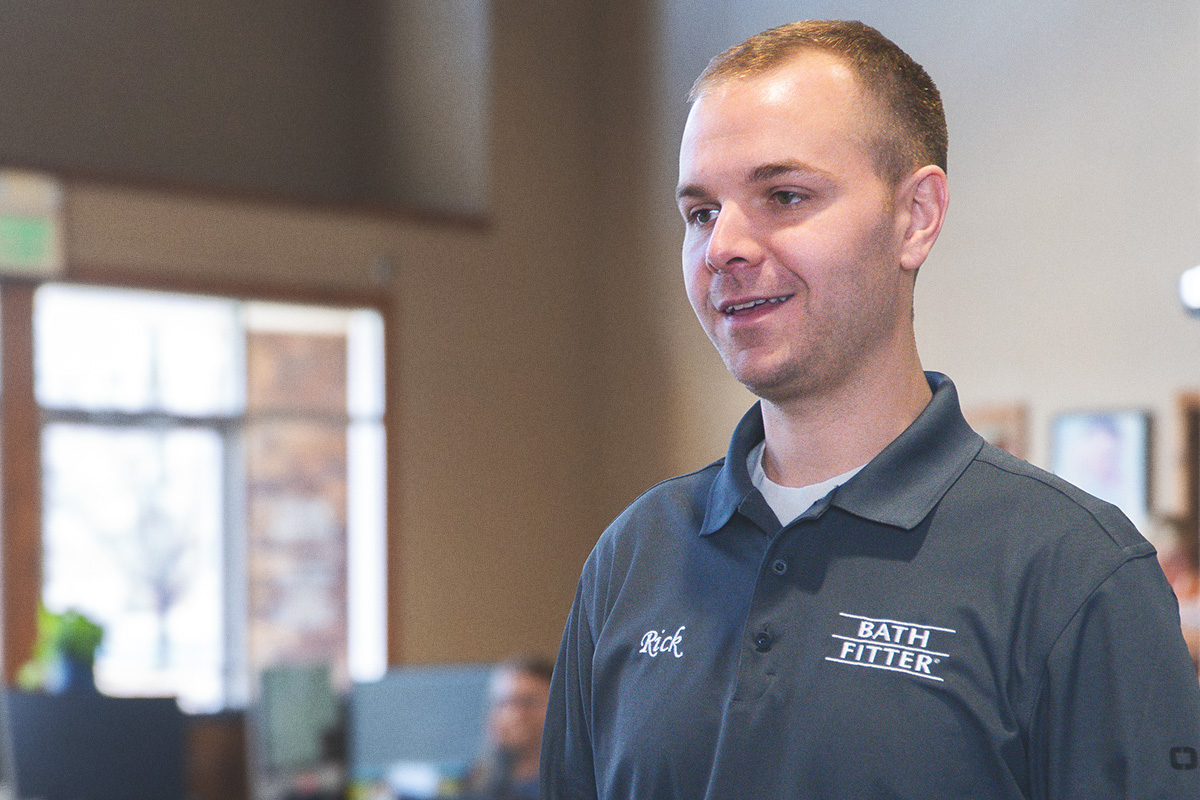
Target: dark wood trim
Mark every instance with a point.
(1189, 469)
(93, 274)
(394, 587)
(198, 190)
(216, 756)
(20, 478)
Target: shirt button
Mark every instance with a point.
(762, 641)
(779, 566)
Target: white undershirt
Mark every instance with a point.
(789, 502)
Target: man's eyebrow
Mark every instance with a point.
(692, 191)
(768, 172)
(759, 174)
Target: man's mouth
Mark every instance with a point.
(750, 305)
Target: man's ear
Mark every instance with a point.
(925, 195)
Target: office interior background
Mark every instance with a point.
(496, 181)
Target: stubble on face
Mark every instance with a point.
(830, 345)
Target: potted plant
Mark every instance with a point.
(64, 653)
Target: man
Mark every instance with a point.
(862, 599)
(519, 691)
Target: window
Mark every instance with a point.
(212, 486)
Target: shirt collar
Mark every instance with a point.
(899, 487)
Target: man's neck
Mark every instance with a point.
(816, 438)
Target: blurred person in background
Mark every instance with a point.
(520, 691)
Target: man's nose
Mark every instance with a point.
(733, 241)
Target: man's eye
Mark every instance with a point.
(702, 216)
(787, 197)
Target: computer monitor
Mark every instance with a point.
(88, 746)
(8, 785)
(418, 728)
(298, 711)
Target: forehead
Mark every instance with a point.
(811, 107)
(508, 683)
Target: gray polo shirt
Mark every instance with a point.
(950, 623)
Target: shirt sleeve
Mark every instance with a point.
(567, 766)
(1119, 711)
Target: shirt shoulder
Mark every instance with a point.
(1027, 494)
(671, 507)
(1046, 546)
(662, 521)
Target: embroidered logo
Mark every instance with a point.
(655, 643)
(891, 645)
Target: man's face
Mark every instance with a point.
(518, 711)
(791, 251)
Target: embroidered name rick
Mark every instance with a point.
(656, 642)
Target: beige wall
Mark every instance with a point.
(515, 420)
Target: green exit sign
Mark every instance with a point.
(30, 225)
(27, 244)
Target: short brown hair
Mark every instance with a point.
(529, 664)
(915, 134)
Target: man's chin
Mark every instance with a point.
(774, 386)
(782, 384)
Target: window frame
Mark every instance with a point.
(21, 422)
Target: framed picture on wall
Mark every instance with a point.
(1106, 454)
(1006, 426)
